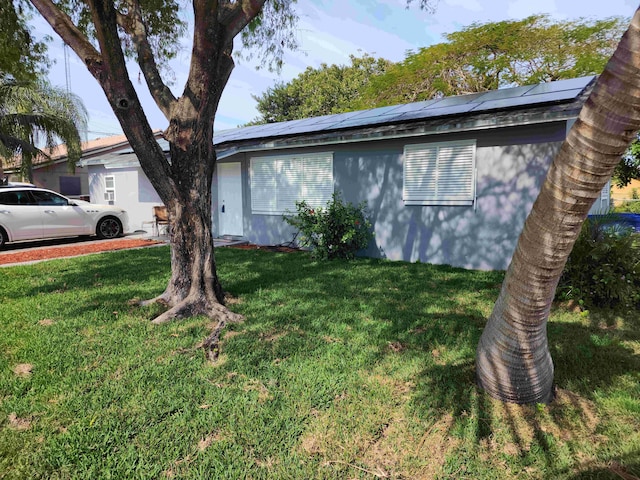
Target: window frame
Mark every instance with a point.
(110, 192)
(444, 185)
(278, 181)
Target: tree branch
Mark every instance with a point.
(123, 98)
(133, 24)
(70, 34)
(236, 16)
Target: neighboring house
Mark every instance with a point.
(446, 181)
(621, 195)
(54, 173)
(117, 178)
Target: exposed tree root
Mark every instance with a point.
(161, 299)
(211, 344)
(190, 307)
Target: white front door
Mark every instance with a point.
(230, 198)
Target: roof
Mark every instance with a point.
(90, 148)
(528, 97)
(553, 101)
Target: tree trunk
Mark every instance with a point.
(513, 362)
(194, 287)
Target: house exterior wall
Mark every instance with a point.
(511, 164)
(133, 192)
(48, 176)
(621, 195)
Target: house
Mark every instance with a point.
(628, 193)
(53, 173)
(446, 181)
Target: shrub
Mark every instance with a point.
(337, 231)
(603, 269)
(628, 207)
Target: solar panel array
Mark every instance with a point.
(531, 95)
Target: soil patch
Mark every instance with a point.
(35, 254)
(269, 248)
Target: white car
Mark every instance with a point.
(31, 213)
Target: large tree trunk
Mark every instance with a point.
(184, 182)
(194, 287)
(513, 362)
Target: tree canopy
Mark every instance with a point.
(487, 56)
(479, 57)
(22, 57)
(319, 91)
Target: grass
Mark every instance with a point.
(360, 369)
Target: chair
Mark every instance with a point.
(161, 218)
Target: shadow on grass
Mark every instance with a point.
(590, 359)
(627, 468)
(433, 315)
(108, 278)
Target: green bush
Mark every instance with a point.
(628, 207)
(337, 231)
(603, 269)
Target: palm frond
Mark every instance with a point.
(38, 116)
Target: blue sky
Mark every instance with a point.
(328, 32)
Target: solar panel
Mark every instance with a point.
(335, 119)
(375, 112)
(303, 126)
(570, 84)
(457, 100)
(415, 107)
(438, 112)
(528, 100)
(504, 93)
(562, 90)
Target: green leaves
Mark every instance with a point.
(327, 90)
(36, 113)
(488, 56)
(337, 231)
(603, 269)
(21, 56)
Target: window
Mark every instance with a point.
(110, 189)
(49, 198)
(439, 173)
(16, 197)
(70, 186)
(278, 182)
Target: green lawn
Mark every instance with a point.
(360, 369)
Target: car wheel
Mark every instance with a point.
(3, 238)
(109, 227)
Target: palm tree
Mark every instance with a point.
(513, 362)
(35, 117)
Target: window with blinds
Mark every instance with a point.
(439, 173)
(278, 182)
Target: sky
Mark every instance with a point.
(328, 32)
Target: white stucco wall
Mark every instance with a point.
(133, 192)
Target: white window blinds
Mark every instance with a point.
(278, 182)
(439, 173)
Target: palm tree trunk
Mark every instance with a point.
(513, 362)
